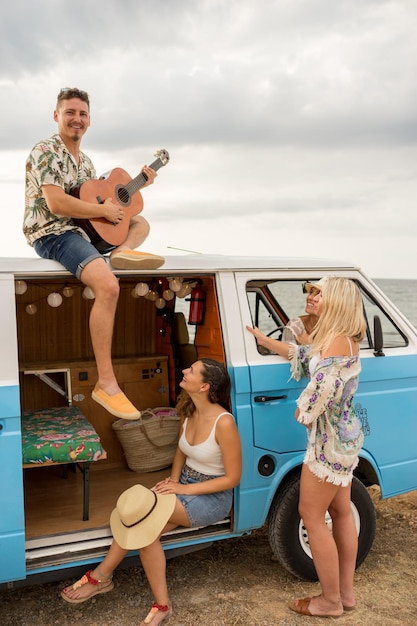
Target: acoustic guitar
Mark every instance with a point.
(123, 190)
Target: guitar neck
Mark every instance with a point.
(137, 183)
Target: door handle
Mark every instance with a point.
(268, 398)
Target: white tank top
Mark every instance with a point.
(205, 457)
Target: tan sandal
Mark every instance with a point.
(158, 614)
(302, 607)
(100, 586)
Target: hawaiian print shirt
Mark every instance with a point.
(326, 403)
(50, 163)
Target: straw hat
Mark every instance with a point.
(319, 285)
(139, 516)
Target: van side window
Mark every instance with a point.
(274, 302)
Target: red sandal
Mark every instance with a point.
(158, 614)
(100, 586)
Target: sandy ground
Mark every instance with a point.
(236, 583)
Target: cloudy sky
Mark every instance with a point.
(291, 124)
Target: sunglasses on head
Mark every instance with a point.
(72, 92)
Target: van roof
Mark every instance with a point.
(205, 263)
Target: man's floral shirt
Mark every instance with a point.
(50, 163)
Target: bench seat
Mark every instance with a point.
(61, 435)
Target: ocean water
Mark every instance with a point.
(402, 293)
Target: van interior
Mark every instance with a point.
(152, 344)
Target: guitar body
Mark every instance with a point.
(124, 191)
(112, 185)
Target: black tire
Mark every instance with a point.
(289, 540)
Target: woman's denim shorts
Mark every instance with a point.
(207, 508)
(69, 248)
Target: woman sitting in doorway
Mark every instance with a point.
(206, 467)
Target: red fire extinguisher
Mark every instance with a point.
(197, 305)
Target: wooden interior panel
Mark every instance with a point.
(56, 334)
(35, 394)
(208, 338)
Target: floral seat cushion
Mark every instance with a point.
(58, 435)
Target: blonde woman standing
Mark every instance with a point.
(335, 438)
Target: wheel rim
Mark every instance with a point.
(303, 535)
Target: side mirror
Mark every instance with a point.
(378, 337)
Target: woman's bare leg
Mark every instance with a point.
(315, 499)
(153, 557)
(102, 572)
(346, 538)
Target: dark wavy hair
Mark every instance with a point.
(214, 373)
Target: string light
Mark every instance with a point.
(160, 292)
(54, 299)
(168, 294)
(186, 289)
(68, 291)
(175, 284)
(151, 295)
(88, 293)
(142, 289)
(160, 303)
(20, 287)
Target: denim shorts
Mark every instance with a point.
(207, 508)
(69, 248)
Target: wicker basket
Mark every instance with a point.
(149, 443)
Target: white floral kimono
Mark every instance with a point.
(326, 403)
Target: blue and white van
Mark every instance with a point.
(194, 306)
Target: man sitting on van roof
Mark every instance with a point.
(54, 167)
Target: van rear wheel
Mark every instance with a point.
(288, 537)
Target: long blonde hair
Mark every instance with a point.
(341, 314)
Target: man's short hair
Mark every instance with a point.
(72, 92)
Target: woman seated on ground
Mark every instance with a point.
(300, 328)
(207, 464)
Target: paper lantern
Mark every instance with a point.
(68, 291)
(20, 287)
(175, 284)
(54, 299)
(160, 303)
(142, 289)
(88, 293)
(168, 294)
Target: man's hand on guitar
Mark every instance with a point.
(112, 212)
(149, 174)
(98, 219)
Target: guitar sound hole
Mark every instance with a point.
(123, 195)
